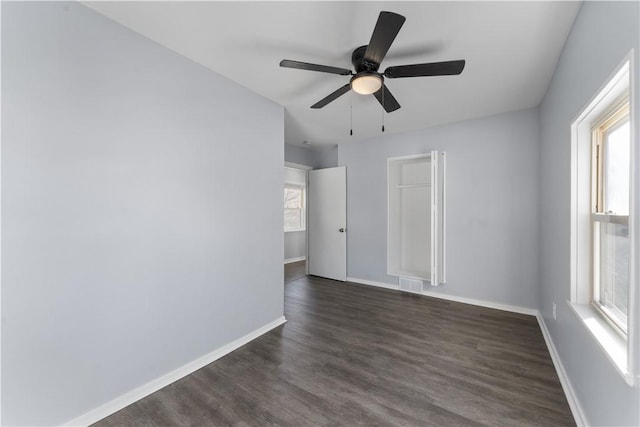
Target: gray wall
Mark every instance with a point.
(295, 245)
(128, 211)
(602, 35)
(492, 205)
(328, 158)
(316, 158)
(302, 155)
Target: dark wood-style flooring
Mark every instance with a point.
(356, 355)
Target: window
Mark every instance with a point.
(611, 158)
(602, 218)
(294, 215)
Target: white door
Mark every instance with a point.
(327, 228)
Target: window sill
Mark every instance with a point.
(610, 341)
(294, 230)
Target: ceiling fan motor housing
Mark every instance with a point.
(360, 64)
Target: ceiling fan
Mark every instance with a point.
(366, 60)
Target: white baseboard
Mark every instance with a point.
(290, 260)
(576, 409)
(481, 303)
(163, 381)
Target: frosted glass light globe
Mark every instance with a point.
(366, 84)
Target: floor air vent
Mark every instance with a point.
(410, 285)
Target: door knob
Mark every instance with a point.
(341, 230)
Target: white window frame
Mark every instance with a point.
(303, 210)
(303, 183)
(620, 349)
(607, 120)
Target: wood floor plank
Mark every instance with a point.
(355, 355)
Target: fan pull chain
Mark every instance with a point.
(351, 113)
(382, 108)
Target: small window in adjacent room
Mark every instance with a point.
(602, 216)
(294, 215)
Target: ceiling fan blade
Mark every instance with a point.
(287, 63)
(384, 33)
(415, 50)
(332, 97)
(390, 104)
(447, 68)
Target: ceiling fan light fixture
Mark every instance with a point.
(366, 83)
(366, 62)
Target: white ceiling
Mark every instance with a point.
(510, 48)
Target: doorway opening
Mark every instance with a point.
(295, 220)
(294, 271)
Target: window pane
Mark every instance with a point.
(292, 198)
(616, 169)
(292, 218)
(614, 268)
